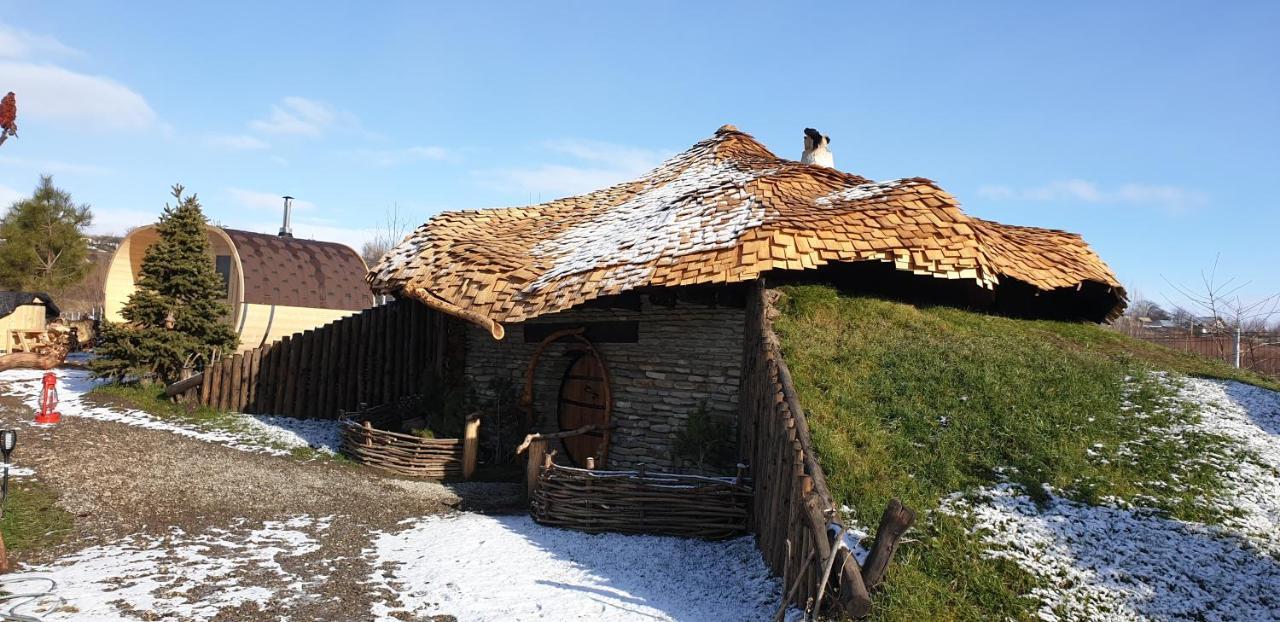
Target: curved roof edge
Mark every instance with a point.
(300, 273)
(727, 210)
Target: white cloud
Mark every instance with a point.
(1173, 198)
(238, 142)
(16, 43)
(598, 165)
(54, 166)
(311, 230)
(297, 116)
(113, 221)
(266, 200)
(8, 196)
(53, 93)
(395, 157)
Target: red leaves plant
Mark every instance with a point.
(8, 117)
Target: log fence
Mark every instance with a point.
(373, 357)
(793, 516)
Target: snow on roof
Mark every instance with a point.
(725, 211)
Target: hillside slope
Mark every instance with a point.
(1062, 471)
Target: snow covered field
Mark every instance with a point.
(474, 567)
(179, 576)
(1124, 563)
(488, 568)
(258, 433)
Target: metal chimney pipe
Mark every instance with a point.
(286, 231)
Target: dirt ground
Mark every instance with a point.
(119, 480)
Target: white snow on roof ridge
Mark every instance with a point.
(666, 219)
(860, 192)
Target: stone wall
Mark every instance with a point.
(686, 355)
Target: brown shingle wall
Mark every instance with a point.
(300, 273)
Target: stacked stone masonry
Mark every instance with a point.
(686, 355)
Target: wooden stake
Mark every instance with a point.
(537, 451)
(895, 521)
(470, 446)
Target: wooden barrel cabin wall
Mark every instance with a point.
(369, 358)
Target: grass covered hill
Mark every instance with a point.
(932, 404)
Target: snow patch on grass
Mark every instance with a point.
(482, 568)
(1104, 563)
(255, 433)
(1125, 562)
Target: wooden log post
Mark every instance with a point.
(537, 452)
(895, 521)
(470, 446)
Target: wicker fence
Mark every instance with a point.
(373, 357)
(793, 516)
(638, 502)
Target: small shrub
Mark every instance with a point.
(707, 441)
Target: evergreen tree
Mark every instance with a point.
(44, 245)
(177, 310)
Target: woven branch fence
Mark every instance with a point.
(373, 357)
(793, 516)
(407, 454)
(638, 502)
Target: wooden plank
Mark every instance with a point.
(302, 394)
(379, 352)
(255, 363)
(348, 358)
(470, 447)
(362, 362)
(279, 382)
(206, 383)
(228, 383)
(291, 376)
(335, 369)
(237, 381)
(339, 375)
(388, 353)
(323, 339)
(260, 389)
(246, 378)
(215, 384)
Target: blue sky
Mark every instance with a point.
(1151, 128)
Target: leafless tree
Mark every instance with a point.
(1227, 310)
(393, 229)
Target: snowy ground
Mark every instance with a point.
(509, 568)
(1125, 563)
(348, 565)
(473, 567)
(178, 576)
(258, 433)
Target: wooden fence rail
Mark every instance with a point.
(372, 357)
(793, 516)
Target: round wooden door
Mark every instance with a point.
(584, 396)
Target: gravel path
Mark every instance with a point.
(283, 537)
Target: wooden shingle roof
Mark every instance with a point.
(725, 211)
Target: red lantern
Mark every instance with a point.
(49, 400)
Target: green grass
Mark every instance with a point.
(32, 519)
(919, 403)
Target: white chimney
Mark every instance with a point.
(286, 230)
(816, 150)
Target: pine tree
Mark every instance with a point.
(177, 310)
(44, 245)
